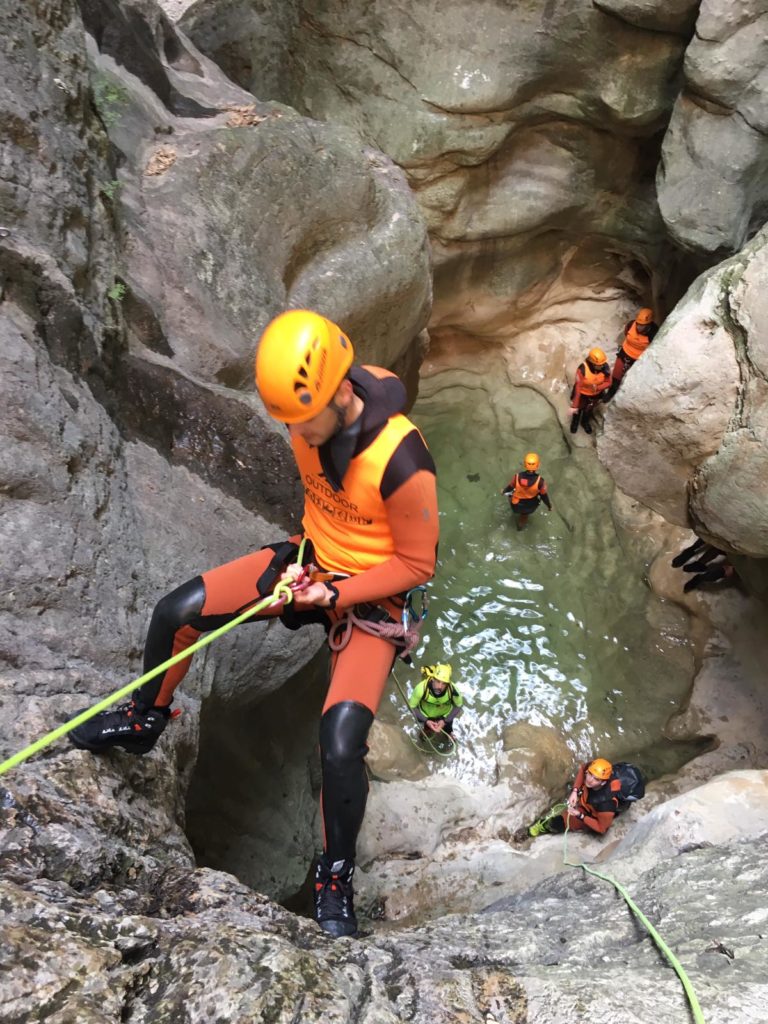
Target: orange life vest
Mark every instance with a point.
(349, 528)
(524, 491)
(607, 798)
(592, 383)
(634, 343)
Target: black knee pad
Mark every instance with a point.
(343, 733)
(181, 606)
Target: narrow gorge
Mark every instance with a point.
(479, 194)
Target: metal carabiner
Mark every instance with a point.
(409, 612)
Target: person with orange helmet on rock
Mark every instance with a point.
(371, 529)
(526, 490)
(592, 804)
(638, 335)
(593, 378)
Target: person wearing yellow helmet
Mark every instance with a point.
(593, 378)
(526, 490)
(638, 335)
(435, 701)
(371, 528)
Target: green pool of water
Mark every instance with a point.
(553, 625)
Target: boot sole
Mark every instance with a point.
(104, 748)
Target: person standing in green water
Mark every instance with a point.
(526, 490)
(435, 701)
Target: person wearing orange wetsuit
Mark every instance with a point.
(526, 490)
(592, 802)
(593, 378)
(638, 335)
(371, 524)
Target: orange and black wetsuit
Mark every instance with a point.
(590, 382)
(598, 806)
(525, 490)
(636, 340)
(370, 515)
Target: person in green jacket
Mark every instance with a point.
(435, 701)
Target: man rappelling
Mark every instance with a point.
(371, 526)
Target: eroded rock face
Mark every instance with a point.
(711, 205)
(658, 15)
(687, 433)
(521, 130)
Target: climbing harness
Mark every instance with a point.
(374, 620)
(437, 746)
(283, 593)
(693, 1001)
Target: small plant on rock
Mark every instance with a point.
(110, 188)
(108, 98)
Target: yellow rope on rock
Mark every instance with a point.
(693, 1001)
(282, 592)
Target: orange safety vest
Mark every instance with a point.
(592, 383)
(524, 491)
(635, 344)
(349, 528)
(614, 789)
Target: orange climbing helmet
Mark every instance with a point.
(597, 357)
(531, 462)
(644, 316)
(300, 362)
(600, 768)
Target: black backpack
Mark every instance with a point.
(632, 782)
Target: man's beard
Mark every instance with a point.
(341, 417)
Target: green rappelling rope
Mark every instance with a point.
(282, 592)
(693, 1002)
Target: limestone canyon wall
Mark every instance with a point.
(154, 214)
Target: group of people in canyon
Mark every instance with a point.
(596, 382)
(370, 533)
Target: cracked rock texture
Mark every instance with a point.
(202, 947)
